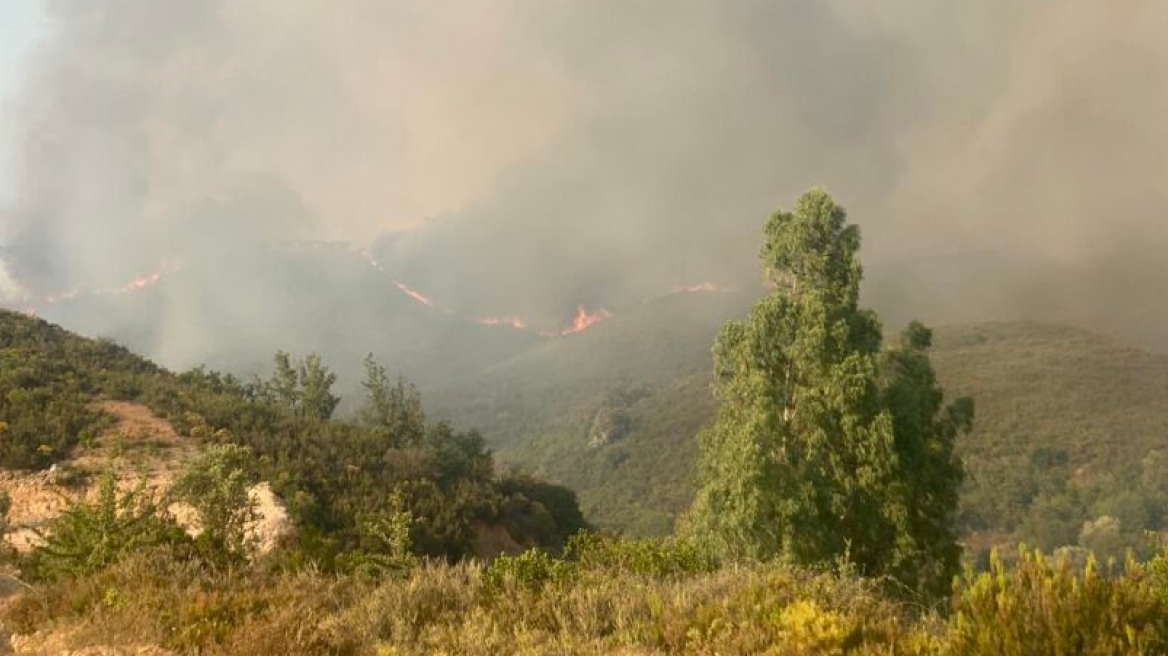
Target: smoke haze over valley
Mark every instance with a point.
(177, 167)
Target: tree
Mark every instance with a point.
(316, 383)
(929, 474)
(303, 387)
(394, 409)
(216, 485)
(284, 387)
(811, 454)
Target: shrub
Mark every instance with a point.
(386, 548)
(532, 569)
(92, 536)
(647, 557)
(1044, 606)
(215, 484)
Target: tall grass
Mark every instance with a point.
(167, 599)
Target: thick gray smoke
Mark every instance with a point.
(1004, 158)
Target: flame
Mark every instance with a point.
(584, 321)
(416, 295)
(135, 285)
(405, 289)
(517, 323)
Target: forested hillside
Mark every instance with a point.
(339, 479)
(1071, 426)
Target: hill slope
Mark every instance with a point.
(56, 390)
(1065, 420)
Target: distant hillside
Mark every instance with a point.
(610, 412)
(1066, 420)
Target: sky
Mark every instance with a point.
(1005, 158)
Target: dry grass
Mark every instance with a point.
(160, 599)
(173, 604)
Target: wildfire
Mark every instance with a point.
(416, 295)
(584, 320)
(135, 285)
(517, 323)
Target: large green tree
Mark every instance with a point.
(825, 446)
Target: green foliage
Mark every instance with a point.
(1042, 606)
(823, 447)
(653, 557)
(216, 485)
(1069, 428)
(329, 473)
(532, 569)
(605, 556)
(393, 409)
(89, 537)
(304, 387)
(385, 547)
(546, 514)
(929, 472)
(47, 385)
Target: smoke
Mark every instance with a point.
(526, 157)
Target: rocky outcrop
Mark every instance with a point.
(147, 452)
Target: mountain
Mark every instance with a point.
(1066, 419)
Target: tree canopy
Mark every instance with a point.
(825, 446)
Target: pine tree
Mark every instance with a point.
(804, 460)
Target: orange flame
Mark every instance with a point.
(584, 321)
(135, 285)
(417, 296)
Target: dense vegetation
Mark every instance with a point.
(336, 477)
(1070, 425)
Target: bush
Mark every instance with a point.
(386, 548)
(215, 484)
(1044, 606)
(656, 558)
(89, 537)
(533, 569)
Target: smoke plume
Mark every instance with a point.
(523, 158)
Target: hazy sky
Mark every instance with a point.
(523, 156)
(21, 24)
